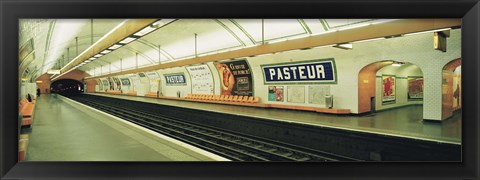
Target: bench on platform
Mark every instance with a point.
(131, 93)
(114, 92)
(26, 109)
(151, 94)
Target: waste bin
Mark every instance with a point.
(329, 101)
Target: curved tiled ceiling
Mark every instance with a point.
(174, 41)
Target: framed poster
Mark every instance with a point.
(118, 84)
(415, 88)
(202, 79)
(100, 86)
(235, 78)
(275, 93)
(388, 88)
(316, 94)
(296, 94)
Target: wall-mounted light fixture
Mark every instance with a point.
(397, 64)
(346, 46)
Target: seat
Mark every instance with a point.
(250, 99)
(244, 100)
(239, 99)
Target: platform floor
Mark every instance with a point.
(62, 132)
(404, 122)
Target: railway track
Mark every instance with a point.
(231, 145)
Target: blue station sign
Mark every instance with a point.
(316, 71)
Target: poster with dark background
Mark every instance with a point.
(235, 78)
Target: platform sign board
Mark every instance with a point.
(125, 81)
(275, 93)
(322, 71)
(388, 88)
(175, 79)
(235, 78)
(415, 88)
(202, 79)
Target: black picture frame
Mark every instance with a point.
(11, 11)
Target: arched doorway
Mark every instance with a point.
(451, 88)
(67, 87)
(388, 84)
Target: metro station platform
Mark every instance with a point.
(401, 122)
(64, 130)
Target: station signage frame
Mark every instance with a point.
(318, 71)
(169, 79)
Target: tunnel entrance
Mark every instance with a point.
(67, 87)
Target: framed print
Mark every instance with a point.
(255, 52)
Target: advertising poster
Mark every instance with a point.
(111, 83)
(106, 84)
(202, 79)
(100, 85)
(275, 93)
(388, 88)
(154, 80)
(117, 83)
(415, 88)
(135, 80)
(235, 78)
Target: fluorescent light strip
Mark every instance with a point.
(127, 40)
(98, 41)
(115, 46)
(98, 55)
(92, 58)
(145, 31)
(105, 51)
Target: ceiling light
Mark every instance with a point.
(115, 46)
(87, 61)
(92, 58)
(162, 22)
(127, 40)
(145, 31)
(98, 55)
(346, 46)
(53, 71)
(106, 51)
